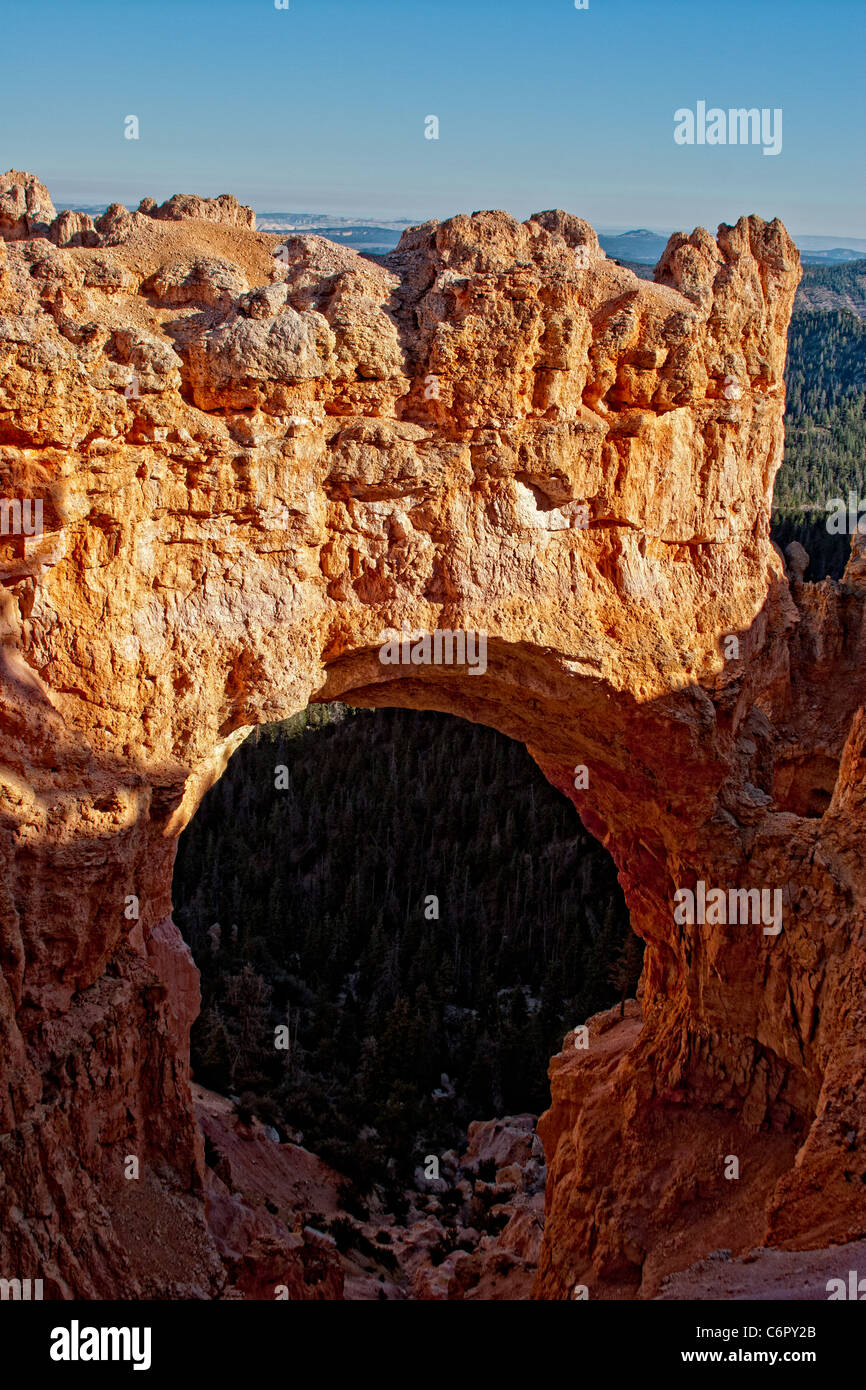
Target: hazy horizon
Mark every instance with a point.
(832, 239)
(325, 105)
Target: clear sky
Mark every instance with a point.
(321, 107)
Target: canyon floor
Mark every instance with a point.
(264, 1195)
(483, 1245)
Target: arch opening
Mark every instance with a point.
(397, 920)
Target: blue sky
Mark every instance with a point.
(321, 107)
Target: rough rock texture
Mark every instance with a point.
(225, 208)
(26, 208)
(256, 1189)
(503, 1216)
(73, 229)
(272, 1209)
(764, 1275)
(240, 495)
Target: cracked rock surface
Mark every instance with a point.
(251, 465)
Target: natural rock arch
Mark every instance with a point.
(249, 470)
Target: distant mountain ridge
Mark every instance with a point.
(639, 246)
(645, 248)
(358, 237)
(823, 289)
(269, 221)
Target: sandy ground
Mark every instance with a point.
(766, 1275)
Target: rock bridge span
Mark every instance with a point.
(252, 465)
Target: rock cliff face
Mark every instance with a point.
(250, 467)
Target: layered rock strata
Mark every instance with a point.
(251, 466)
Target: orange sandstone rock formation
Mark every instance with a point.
(250, 467)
